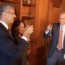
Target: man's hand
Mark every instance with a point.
(49, 27)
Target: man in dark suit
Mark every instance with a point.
(57, 45)
(9, 52)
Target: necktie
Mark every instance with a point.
(9, 31)
(60, 39)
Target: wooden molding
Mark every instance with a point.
(56, 5)
(57, 1)
(26, 4)
(27, 17)
(10, 1)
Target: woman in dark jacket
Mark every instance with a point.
(17, 31)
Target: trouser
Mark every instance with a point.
(58, 55)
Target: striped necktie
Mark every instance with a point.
(60, 39)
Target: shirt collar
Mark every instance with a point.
(63, 26)
(6, 26)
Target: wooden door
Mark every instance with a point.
(54, 11)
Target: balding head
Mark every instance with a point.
(62, 18)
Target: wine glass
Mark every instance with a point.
(50, 28)
(28, 38)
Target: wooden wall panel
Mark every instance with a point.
(42, 21)
(54, 11)
(38, 58)
(57, 1)
(63, 5)
(55, 15)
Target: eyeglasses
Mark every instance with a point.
(11, 13)
(62, 18)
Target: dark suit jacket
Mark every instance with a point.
(9, 52)
(54, 41)
(23, 59)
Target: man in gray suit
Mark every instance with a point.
(56, 49)
(9, 52)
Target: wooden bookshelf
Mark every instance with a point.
(13, 1)
(27, 17)
(26, 8)
(26, 4)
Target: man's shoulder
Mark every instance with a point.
(56, 24)
(2, 32)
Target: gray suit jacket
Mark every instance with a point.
(54, 41)
(9, 52)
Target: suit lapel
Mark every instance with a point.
(57, 30)
(6, 31)
(64, 44)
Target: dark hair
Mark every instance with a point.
(14, 25)
(5, 7)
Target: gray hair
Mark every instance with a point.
(5, 7)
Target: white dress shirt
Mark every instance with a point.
(6, 26)
(63, 34)
(59, 31)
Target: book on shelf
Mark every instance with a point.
(27, 22)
